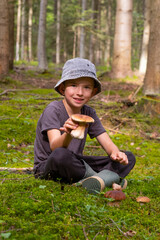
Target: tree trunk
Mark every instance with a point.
(42, 60)
(92, 35)
(30, 30)
(58, 33)
(18, 30)
(107, 51)
(23, 30)
(11, 34)
(152, 77)
(82, 36)
(121, 65)
(4, 37)
(145, 40)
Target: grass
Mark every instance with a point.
(38, 209)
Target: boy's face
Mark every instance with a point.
(78, 92)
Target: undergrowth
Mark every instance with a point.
(38, 209)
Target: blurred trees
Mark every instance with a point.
(4, 37)
(121, 64)
(77, 30)
(54, 31)
(152, 77)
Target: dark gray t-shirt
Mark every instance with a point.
(54, 117)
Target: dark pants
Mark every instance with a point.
(68, 167)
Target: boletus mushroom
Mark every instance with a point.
(82, 121)
(116, 195)
(143, 199)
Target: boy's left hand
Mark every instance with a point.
(120, 157)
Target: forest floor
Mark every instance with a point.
(38, 209)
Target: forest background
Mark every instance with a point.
(122, 39)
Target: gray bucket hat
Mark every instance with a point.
(77, 68)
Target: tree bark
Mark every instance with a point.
(145, 40)
(4, 37)
(121, 64)
(11, 33)
(152, 77)
(42, 60)
(18, 30)
(30, 30)
(58, 33)
(82, 34)
(23, 30)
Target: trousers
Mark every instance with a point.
(68, 167)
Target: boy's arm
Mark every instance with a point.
(111, 149)
(56, 139)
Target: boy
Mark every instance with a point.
(58, 155)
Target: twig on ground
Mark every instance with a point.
(13, 90)
(118, 227)
(53, 206)
(16, 169)
(5, 179)
(84, 231)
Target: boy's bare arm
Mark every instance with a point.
(56, 139)
(111, 149)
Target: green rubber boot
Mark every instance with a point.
(98, 182)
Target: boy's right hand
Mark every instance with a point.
(68, 126)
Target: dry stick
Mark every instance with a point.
(84, 232)
(16, 169)
(5, 179)
(53, 206)
(13, 90)
(118, 227)
(137, 91)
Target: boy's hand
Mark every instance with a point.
(120, 157)
(68, 126)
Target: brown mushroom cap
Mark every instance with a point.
(115, 194)
(82, 118)
(82, 123)
(142, 199)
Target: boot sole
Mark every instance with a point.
(93, 184)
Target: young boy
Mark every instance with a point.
(60, 156)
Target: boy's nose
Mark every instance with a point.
(79, 91)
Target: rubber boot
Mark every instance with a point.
(88, 173)
(100, 181)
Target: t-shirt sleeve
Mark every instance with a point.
(50, 119)
(96, 128)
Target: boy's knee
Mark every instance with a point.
(131, 158)
(61, 157)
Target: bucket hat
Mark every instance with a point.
(77, 68)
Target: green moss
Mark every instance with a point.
(38, 209)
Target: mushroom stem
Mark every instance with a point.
(79, 131)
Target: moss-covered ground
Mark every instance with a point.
(37, 209)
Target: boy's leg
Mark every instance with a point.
(109, 173)
(64, 165)
(99, 163)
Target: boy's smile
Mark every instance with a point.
(77, 92)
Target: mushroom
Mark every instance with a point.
(142, 199)
(115, 194)
(82, 120)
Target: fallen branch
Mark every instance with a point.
(118, 227)
(13, 90)
(16, 169)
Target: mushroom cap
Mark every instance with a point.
(142, 199)
(82, 118)
(115, 194)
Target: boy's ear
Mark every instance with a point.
(94, 91)
(61, 88)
